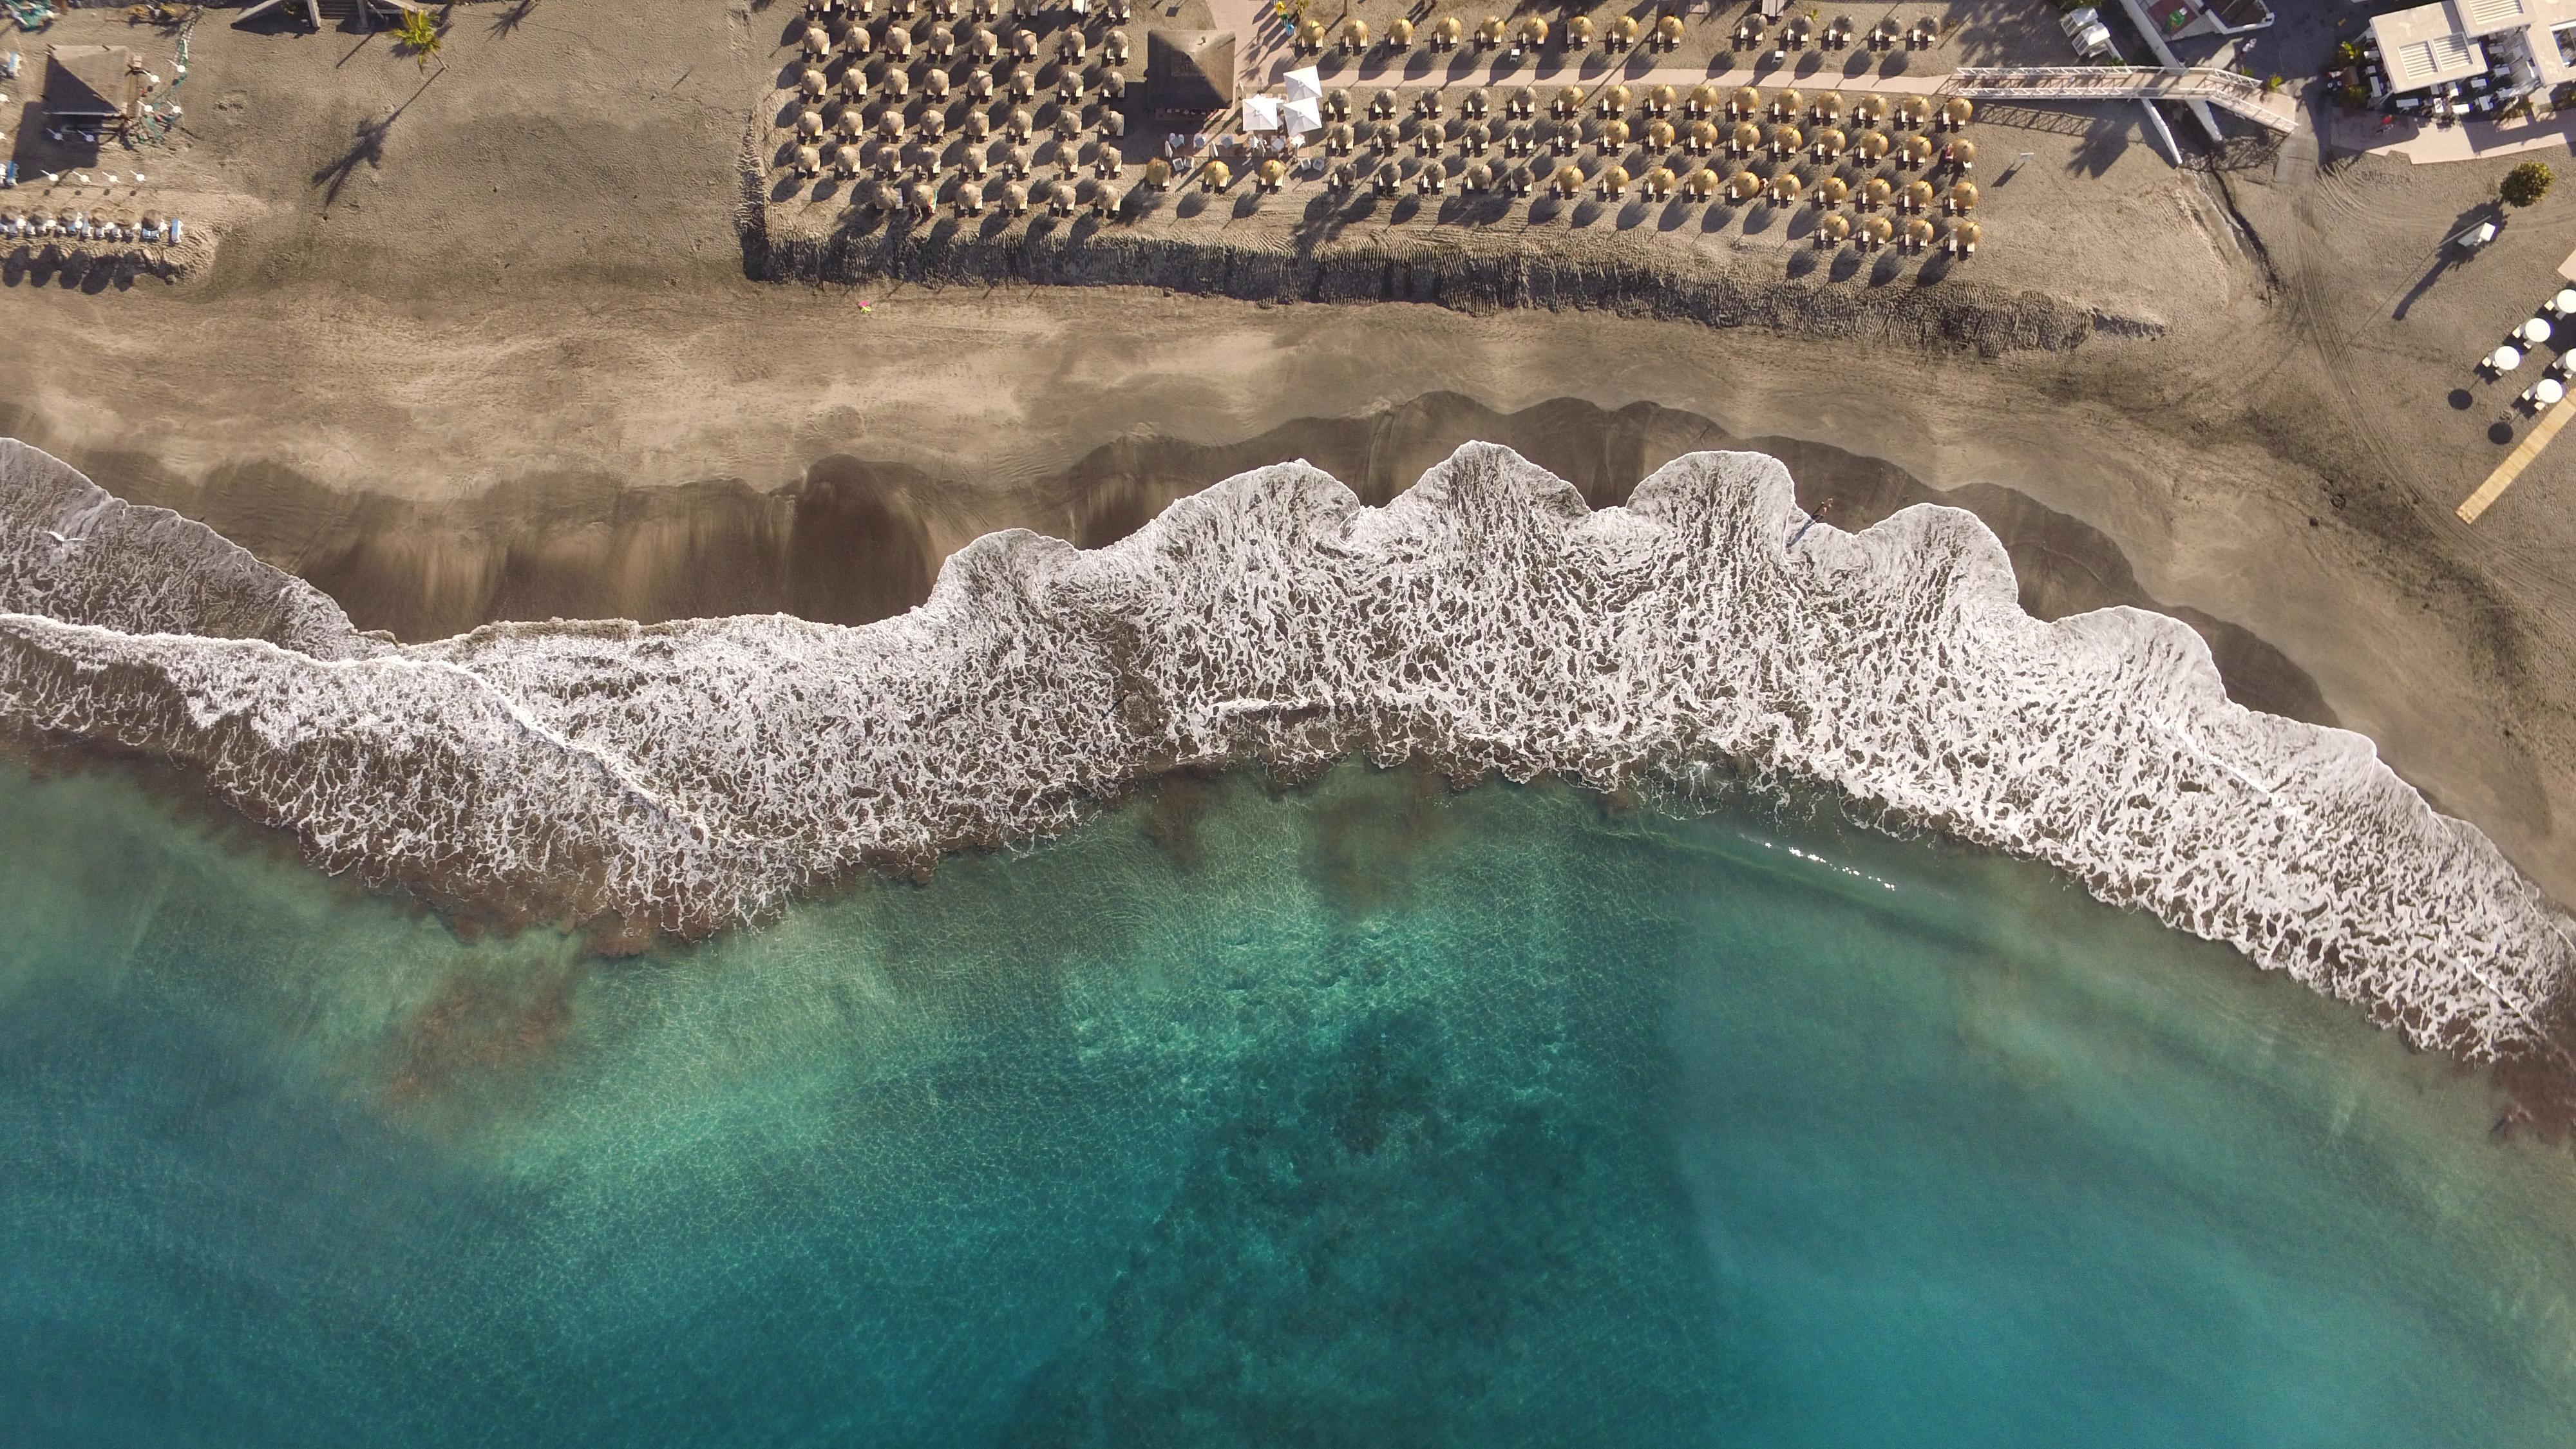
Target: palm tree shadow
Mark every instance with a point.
(512, 16)
(368, 149)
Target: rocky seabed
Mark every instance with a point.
(1707, 637)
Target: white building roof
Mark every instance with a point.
(2424, 47)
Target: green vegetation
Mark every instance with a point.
(419, 36)
(2525, 184)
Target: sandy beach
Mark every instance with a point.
(505, 363)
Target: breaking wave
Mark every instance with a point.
(1709, 635)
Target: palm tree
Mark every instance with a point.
(419, 34)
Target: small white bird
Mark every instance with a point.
(111, 178)
(80, 178)
(138, 178)
(52, 176)
(56, 537)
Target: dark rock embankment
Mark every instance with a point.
(1937, 309)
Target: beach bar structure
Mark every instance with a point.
(2476, 55)
(1189, 72)
(93, 83)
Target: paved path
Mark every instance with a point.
(2461, 141)
(2520, 458)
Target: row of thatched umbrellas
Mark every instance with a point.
(941, 41)
(828, 11)
(1579, 32)
(1744, 103)
(1698, 138)
(76, 226)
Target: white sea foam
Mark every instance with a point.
(701, 772)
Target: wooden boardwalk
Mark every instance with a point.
(2517, 460)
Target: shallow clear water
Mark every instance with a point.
(1368, 1115)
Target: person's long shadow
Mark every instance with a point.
(2448, 258)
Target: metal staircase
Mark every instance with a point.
(2240, 95)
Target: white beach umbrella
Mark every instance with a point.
(1304, 84)
(2564, 302)
(1302, 115)
(2504, 359)
(2547, 391)
(1261, 113)
(2535, 331)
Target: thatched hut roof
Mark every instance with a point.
(1189, 72)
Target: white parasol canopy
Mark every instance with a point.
(1304, 84)
(2565, 301)
(1261, 113)
(2547, 391)
(2504, 359)
(2535, 331)
(1301, 115)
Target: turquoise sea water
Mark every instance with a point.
(1366, 1115)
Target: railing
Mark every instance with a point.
(2241, 95)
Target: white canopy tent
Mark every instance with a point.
(1261, 113)
(1304, 84)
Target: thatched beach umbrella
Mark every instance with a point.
(1918, 195)
(1784, 105)
(1614, 101)
(1913, 111)
(1399, 34)
(1024, 44)
(1659, 135)
(1523, 101)
(1568, 181)
(1828, 143)
(1614, 181)
(1017, 124)
(818, 42)
(1787, 187)
(1445, 34)
(1785, 140)
(935, 85)
(1310, 35)
(1569, 102)
(979, 126)
(1702, 101)
(809, 161)
(1623, 33)
(982, 44)
(813, 85)
(1113, 124)
(1355, 35)
(1489, 31)
(845, 161)
(1382, 105)
(1832, 191)
(1833, 229)
(1272, 174)
(1875, 230)
(851, 124)
(1961, 155)
(1743, 138)
(809, 123)
(1963, 197)
(1875, 192)
(1658, 183)
(1743, 186)
(1668, 32)
(1158, 174)
(943, 42)
(1703, 184)
(1478, 177)
(1478, 105)
(890, 121)
(1614, 136)
(1958, 111)
(1427, 105)
(1826, 108)
(1215, 176)
(1872, 145)
(1869, 110)
(1475, 139)
(1113, 84)
(1337, 139)
(1113, 48)
(1578, 31)
(1533, 32)
(1915, 151)
(1660, 100)
(979, 84)
(1918, 234)
(1964, 238)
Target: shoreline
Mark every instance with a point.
(571, 769)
